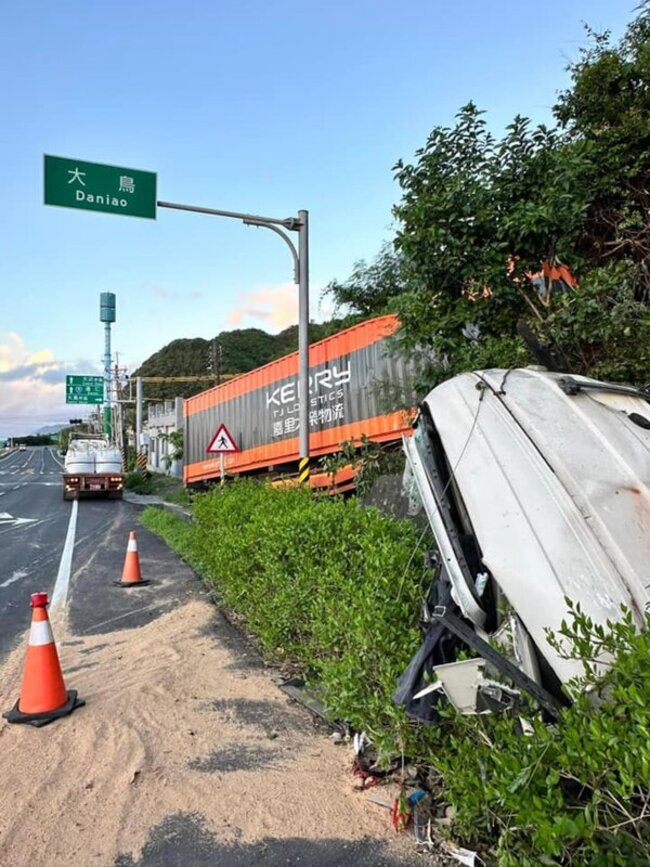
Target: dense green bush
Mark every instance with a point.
(168, 488)
(574, 793)
(330, 585)
(138, 483)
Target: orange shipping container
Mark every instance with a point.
(352, 376)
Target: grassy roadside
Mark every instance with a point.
(168, 488)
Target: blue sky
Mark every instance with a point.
(266, 106)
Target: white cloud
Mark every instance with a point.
(273, 306)
(32, 386)
(164, 293)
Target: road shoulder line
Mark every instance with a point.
(62, 583)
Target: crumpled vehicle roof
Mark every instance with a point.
(556, 487)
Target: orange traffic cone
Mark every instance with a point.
(131, 575)
(43, 696)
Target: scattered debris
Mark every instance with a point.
(296, 689)
(463, 856)
(360, 741)
(401, 812)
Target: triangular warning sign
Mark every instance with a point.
(222, 443)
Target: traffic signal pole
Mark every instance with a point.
(303, 342)
(299, 224)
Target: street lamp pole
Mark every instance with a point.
(303, 342)
(300, 256)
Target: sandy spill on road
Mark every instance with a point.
(173, 722)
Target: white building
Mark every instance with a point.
(163, 419)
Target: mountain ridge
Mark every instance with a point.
(236, 351)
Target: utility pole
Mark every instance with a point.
(219, 363)
(118, 412)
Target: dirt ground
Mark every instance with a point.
(184, 735)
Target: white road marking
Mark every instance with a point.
(6, 518)
(17, 487)
(62, 583)
(15, 577)
(54, 457)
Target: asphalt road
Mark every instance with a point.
(33, 523)
(78, 548)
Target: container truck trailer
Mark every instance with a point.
(351, 377)
(93, 466)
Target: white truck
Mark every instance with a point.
(536, 486)
(93, 466)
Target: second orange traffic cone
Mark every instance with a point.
(43, 696)
(131, 574)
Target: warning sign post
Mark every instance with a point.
(222, 444)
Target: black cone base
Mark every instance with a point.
(42, 719)
(142, 583)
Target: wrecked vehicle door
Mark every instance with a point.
(537, 488)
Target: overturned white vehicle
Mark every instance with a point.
(537, 488)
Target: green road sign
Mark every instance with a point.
(84, 389)
(96, 187)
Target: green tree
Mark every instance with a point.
(479, 215)
(608, 107)
(372, 287)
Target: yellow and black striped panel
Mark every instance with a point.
(303, 471)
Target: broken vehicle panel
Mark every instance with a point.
(537, 488)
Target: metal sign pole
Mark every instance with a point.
(301, 277)
(222, 468)
(303, 343)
